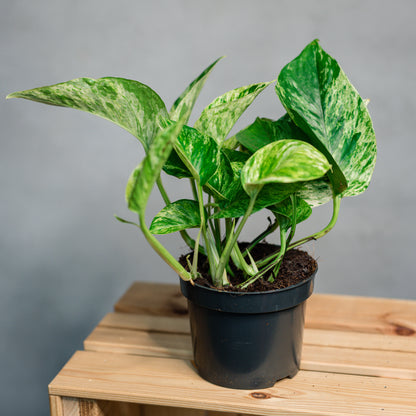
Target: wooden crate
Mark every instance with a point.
(359, 357)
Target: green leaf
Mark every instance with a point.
(226, 183)
(284, 212)
(182, 107)
(177, 216)
(122, 220)
(220, 116)
(317, 192)
(322, 102)
(130, 104)
(175, 167)
(143, 178)
(270, 194)
(284, 161)
(198, 152)
(264, 131)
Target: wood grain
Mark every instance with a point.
(329, 355)
(359, 357)
(334, 312)
(174, 382)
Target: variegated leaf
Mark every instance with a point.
(130, 104)
(264, 131)
(177, 216)
(322, 102)
(284, 161)
(226, 183)
(317, 192)
(220, 116)
(182, 107)
(143, 178)
(198, 152)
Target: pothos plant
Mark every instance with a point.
(321, 150)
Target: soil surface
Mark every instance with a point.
(297, 266)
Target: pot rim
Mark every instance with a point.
(249, 302)
(265, 292)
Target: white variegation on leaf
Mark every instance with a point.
(177, 216)
(321, 101)
(130, 104)
(322, 149)
(220, 116)
(284, 161)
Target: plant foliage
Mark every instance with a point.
(322, 149)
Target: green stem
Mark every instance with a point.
(193, 187)
(161, 250)
(162, 191)
(336, 202)
(294, 200)
(336, 205)
(270, 229)
(225, 256)
(186, 237)
(211, 253)
(240, 262)
(280, 255)
(194, 270)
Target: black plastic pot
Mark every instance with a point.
(247, 340)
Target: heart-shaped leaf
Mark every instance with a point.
(220, 116)
(130, 104)
(284, 161)
(182, 107)
(177, 216)
(322, 102)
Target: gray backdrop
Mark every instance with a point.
(64, 259)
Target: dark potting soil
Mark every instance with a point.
(297, 266)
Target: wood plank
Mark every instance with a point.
(362, 314)
(150, 323)
(325, 337)
(153, 299)
(335, 359)
(336, 312)
(174, 382)
(150, 410)
(139, 343)
(56, 406)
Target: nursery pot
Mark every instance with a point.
(247, 340)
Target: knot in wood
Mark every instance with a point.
(260, 395)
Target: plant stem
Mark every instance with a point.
(186, 237)
(194, 270)
(280, 255)
(336, 202)
(294, 200)
(271, 228)
(240, 262)
(225, 256)
(193, 187)
(161, 250)
(162, 191)
(211, 250)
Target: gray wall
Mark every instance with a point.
(64, 260)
